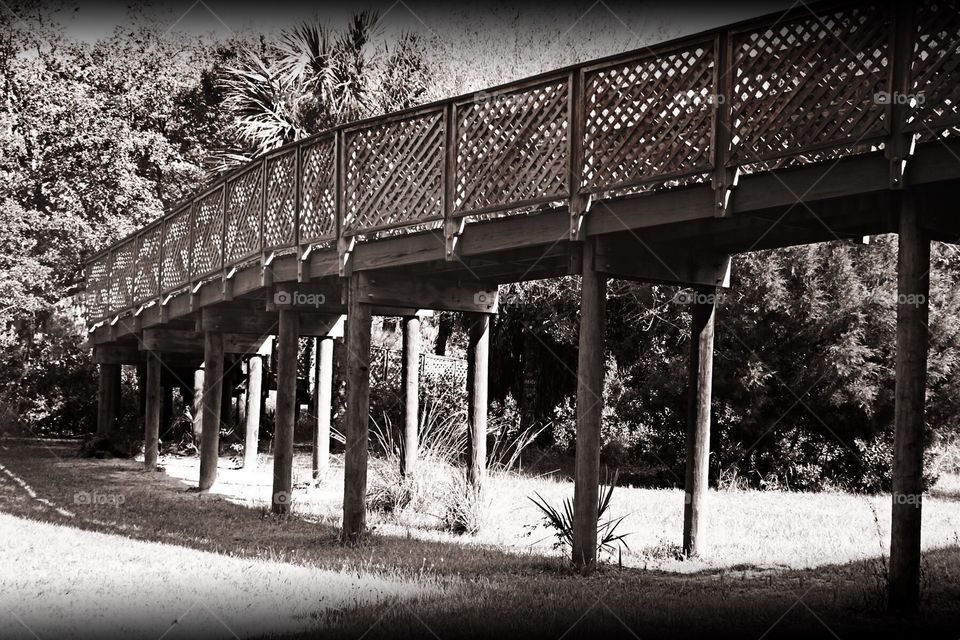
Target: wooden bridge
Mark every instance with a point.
(832, 122)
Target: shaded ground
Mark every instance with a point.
(257, 572)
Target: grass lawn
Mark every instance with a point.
(99, 548)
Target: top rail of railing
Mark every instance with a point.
(808, 85)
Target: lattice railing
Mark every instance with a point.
(792, 88)
(809, 83)
(512, 148)
(393, 173)
(386, 365)
(935, 68)
(649, 118)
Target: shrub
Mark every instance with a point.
(560, 520)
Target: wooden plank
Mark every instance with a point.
(185, 341)
(117, 354)
(699, 394)
(287, 352)
(478, 367)
(913, 293)
(590, 368)
(390, 290)
(357, 414)
(634, 259)
(210, 425)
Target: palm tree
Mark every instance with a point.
(314, 78)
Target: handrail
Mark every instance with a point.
(746, 97)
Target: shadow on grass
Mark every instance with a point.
(484, 591)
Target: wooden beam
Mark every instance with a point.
(357, 414)
(323, 403)
(478, 364)
(108, 399)
(117, 354)
(185, 341)
(391, 290)
(154, 402)
(410, 390)
(632, 258)
(590, 367)
(287, 355)
(254, 409)
(699, 394)
(210, 425)
(913, 293)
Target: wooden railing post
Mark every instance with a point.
(724, 178)
(579, 204)
(452, 226)
(899, 146)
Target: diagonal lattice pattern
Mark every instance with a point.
(176, 250)
(122, 267)
(935, 69)
(809, 83)
(244, 199)
(207, 234)
(280, 205)
(512, 148)
(146, 284)
(97, 295)
(648, 118)
(394, 173)
(318, 214)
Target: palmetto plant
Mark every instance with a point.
(314, 77)
(560, 520)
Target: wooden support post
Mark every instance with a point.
(198, 378)
(410, 386)
(913, 292)
(699, 390)
(287, 356)
(251, 436)
(593, 293)
(210, 421)
(108, 400)
(151, 433)
(166, 408)
(357, 414)
(323, 406)
(478, 363)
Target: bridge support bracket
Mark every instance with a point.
(452, 230)
(579, 208)
(345, 248)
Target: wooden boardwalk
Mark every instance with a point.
(834, 121)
